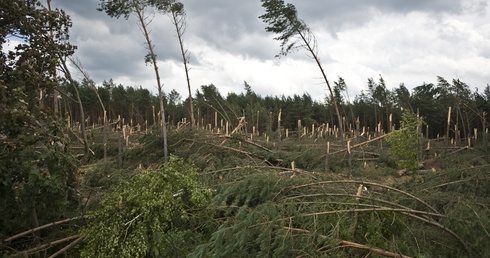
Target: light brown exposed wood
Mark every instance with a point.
(360, 144)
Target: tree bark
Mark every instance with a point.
(143, 24)
(55, 91)
(180, 26)
(86, 146)
(78, 65)
(332, 97)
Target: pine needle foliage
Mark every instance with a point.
(266, 214)
(403, 142)
(264, 210)
(147, 215)
(461, 193)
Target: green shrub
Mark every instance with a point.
(403, 142)
(147, 215)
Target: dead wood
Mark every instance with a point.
(66, 248)
(241, 123)
(369, 183)
(406, 172)
(416, 214)
(251, 143)
(352, 244)
(246, 153)
(367, 153)
(30, 231)
(372, 249)
(364, 197)
(361, 144)
(45, 246)
(378, 208)
(446, 184)
(367, 159)
(434, 223)
(298, 171)
(460, 149)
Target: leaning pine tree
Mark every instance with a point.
(294, 34)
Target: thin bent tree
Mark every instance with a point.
(78, 65)
(118, 8)
(178, 19)
(294, 34)
(63, 66)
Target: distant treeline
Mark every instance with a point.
(371, 109)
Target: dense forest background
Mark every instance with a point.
(371, 108)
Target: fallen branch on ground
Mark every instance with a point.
(30, 231)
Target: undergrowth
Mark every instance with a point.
(262, 207)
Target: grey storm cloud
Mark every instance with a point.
(334, 15)
(228, 42)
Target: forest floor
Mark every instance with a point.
(446, 210)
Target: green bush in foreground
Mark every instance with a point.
(146, 215)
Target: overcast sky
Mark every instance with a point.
(404, 41)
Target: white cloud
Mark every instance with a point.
(404, 41)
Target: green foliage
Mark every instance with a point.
(37, 172)
(149, 59)
(461, 193)
(264, 214)
(282, 19)
(259, 211)
(124, 8)
(403, 142)
(147, 214)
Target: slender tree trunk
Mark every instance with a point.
(141, 18)
(448, 128)
(327, 166)
(332, 97)
(180, 28)
(55, 92)
(484, 130)
(119, 148)
(82, 122)
(257, 126)
(78, 65)
(279, 130)
(462, 119)
(80, 106)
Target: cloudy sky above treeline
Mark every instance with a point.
(408, 42)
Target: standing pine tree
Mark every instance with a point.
(294, 34)
(179, 21)
(118, 8)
